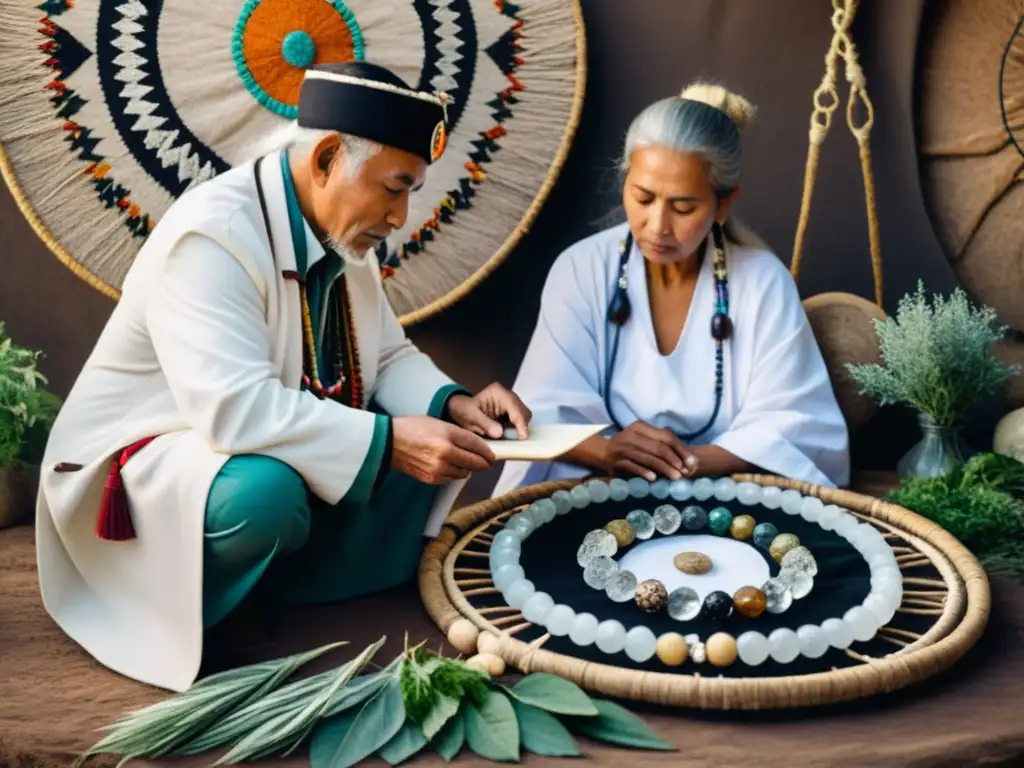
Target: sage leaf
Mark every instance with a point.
(357, 692)
(450, 739)
(616, 725)
(293, 726)
(161, 728)
(553, 694)
(540, 732)
(492, 730)
(328, 735)
(375, 725)
(406, 743)
(443, 709)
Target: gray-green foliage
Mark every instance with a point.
(27, 408)
(937, 357)
(346, 719)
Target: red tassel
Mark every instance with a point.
(114, 522)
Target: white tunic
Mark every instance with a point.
(778, 412)
(203, 350)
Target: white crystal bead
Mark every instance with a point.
(886, 575)
(599, 492)
(777, 596)
(660, 488)
(703, 489)
(642, 522)
(811, 509)
(537, 607)
(680, 490)
(621, 587)
(503, 556)
(783, 645)
(639, 488)
(813, 641)
(519, 593)
(584, 629)
(748, 494)
(878, 560)
(829, 517)
(683, 603)
(893, 594)
(800, 559)
(640, 644)
(667, 519)
(792, 502)
(880, 608)
(560, 620)
(610, 636)
(580, 495)
(507, 575)
(798, 582)
(862, 622)
(507, 538)
(543, 511)
(838, 633)
(599, 571)
(753, 648)
(618, 489)
(846, 526)
(725, 489)
(562, 501)
(771, 497)
(595, 544)
(521, 524)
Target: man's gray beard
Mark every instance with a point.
(348, 254)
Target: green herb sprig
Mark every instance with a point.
(981, 504)
(418, 699)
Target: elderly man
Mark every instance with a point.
(253, 412)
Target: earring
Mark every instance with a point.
(619, 311)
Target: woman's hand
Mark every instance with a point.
(648, 452)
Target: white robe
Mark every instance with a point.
(203, 349)
(779, 411)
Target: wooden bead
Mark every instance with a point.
(721, 649)
(742, 527)
(488, 642)
(487, 662)
(462, 635)
(672, 649)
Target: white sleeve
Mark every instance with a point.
(560, 376)
(209, 331)
(408, 382)
(789, 422)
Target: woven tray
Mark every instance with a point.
(944, 587)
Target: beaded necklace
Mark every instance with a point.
(347, 389)
(721, 326)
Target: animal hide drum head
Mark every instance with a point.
(114, 108)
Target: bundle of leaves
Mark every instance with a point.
(27, 409)
(937, 358)
(419, 699)
(981, 504)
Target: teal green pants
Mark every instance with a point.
(264, 526)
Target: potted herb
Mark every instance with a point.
(938, 359)
(27, 410)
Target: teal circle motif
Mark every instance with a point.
(297, 48)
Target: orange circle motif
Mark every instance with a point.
(268, 25)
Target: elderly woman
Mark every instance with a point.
(680, 328)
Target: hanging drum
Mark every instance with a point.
(114, 108)
(971, 119)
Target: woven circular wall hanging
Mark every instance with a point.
(114, 108)
(813, 595)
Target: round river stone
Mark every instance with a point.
(694, 563)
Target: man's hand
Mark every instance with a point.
(435, 452)
(481, 414)
(647, 452)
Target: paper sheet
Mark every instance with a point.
(546, 442)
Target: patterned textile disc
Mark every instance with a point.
(111, 109)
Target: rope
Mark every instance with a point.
(826, 100)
